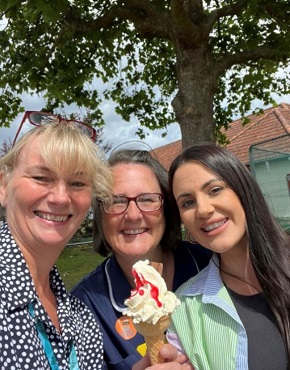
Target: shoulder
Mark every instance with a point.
(94, 280)
(81, 313)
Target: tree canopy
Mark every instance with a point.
(193, 54)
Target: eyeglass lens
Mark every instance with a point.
(39, 119)
(145, 202)
(42, 118)
(82, 127)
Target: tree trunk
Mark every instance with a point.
(193, 104)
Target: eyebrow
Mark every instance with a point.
(48, 170)
(204, 186)
(41, 168)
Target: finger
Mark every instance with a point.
(142, 364)
(168, 353)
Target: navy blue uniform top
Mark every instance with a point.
(104, 291)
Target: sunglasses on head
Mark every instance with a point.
(44, 118)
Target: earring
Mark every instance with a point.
(190, 238)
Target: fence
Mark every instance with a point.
(270, 164)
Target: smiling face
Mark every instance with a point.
(209, 209)
(134, 233)
(43, 209)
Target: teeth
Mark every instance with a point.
(214, 225)
(50, 217)
(133, 232)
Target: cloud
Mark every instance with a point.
(115, 130)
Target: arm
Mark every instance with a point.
(173, 361)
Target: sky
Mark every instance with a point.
(115, 130)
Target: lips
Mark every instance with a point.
(52, 217)
(134, 231)
(214, 225)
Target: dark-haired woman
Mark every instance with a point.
(235, 314)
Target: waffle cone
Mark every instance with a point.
(154, 337)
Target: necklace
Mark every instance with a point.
(242, 280)
(258, 290)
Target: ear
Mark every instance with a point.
(3, 188)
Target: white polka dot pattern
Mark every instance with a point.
(20, 347)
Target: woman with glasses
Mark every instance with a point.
(140, 222)
(47, 182)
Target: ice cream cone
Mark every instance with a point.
(154, 337)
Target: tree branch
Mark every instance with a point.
(226, 11)
(188, 16)
(262, 52)
(146, 17)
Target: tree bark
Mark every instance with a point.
(193, 104)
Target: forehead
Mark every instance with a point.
(30, 153)
(191, 174)
(31, 158)
(134, 177)
(192, 168)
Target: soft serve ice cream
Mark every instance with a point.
(150, 300)
(150, 306)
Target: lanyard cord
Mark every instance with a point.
(73, 361)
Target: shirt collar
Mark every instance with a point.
(123, 289)
(16, 281)
(209, 284)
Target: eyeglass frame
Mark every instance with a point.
(60, 119)
(129, 199)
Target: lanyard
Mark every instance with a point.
(73, 361)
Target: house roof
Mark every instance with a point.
(274, 122)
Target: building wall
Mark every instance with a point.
(271, 176)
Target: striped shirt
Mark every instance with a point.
(207, 326)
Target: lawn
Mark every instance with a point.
(76, 262)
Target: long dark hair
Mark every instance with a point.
(172, 234)
(269, 245)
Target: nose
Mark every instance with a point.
(59, 194)
(133, 212)
(204, 207)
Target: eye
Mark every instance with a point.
(42, 179)
(148, 198)
(187, 203)
(119, 200)
(216, 190)
(78, 184)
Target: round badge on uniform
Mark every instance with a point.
(125, 327)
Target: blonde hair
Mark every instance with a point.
(66, 150)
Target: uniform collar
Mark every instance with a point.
(118, 285)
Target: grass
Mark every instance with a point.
(77, 261)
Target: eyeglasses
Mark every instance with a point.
(43, 118)
(148, 202)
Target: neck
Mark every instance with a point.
(240, 276)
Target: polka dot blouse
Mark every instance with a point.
(20, 346)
